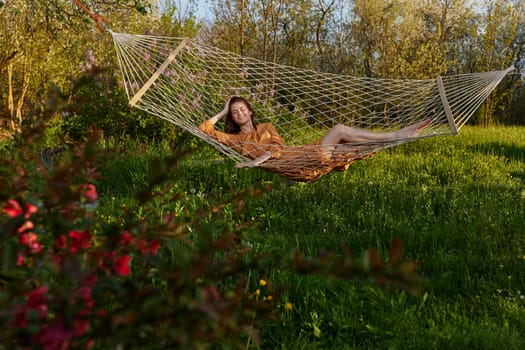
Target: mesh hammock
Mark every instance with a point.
(186, 82)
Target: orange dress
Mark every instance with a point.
(301, 163)
(253, 144)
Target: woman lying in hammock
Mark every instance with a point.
(263, 144)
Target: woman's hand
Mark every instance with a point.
(249, 164)
(257, 161)
(226, 107)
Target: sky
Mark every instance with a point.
(203, 9)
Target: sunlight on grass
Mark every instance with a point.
(456, 202)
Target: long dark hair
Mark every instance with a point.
(230, 126)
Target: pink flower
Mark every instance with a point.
(89, 192)
(121, 265)
(79, 240)
(26, 226)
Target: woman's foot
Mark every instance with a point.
(414, 129)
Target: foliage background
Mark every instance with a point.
(52, 43)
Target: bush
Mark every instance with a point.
(97, 100)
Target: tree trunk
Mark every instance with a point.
(487, 113)
(21, 98)
(10, 99)
(243, 9)
(15, 109)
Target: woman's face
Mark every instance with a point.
(240, 113)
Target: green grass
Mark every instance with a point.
(456, 202)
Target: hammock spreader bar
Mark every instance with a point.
(159, 71)
(446, 106)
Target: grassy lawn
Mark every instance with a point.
(456, 202)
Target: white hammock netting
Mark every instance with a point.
(186, 82)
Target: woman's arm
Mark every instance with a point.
(221, 114)
(230, 140)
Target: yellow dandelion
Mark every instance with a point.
(258, 292)
(262, 283)
(288, 306)
(270, 298)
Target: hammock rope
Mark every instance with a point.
(186, 82)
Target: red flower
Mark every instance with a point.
(145, 247)
(61, 242)
(36, 298)
(90, 280)
(58, 260)
(79, 240)
(30, 210)
(13, 209)
(148, 248)
(80, 326)
(154, 247)
(30, 240)
(89, 191)
(121, 265)
(36, 301)
(20, 258)
(103, 258)
(55, 336)
(86, 294)
(126, 237)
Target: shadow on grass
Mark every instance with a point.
(511, 151)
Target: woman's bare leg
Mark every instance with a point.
(345, 134)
